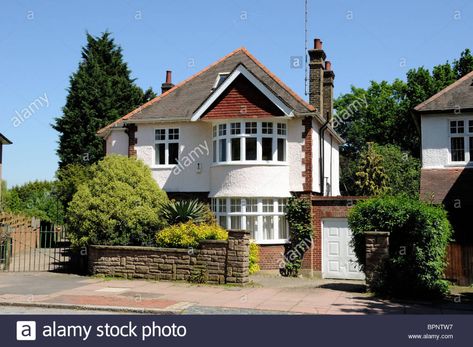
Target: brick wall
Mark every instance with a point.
(214, 261)
(377, 249)
(242, 100)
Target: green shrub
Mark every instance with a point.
(419, 235)
(299, 218)
(119, 205)
(182, 211)
(184, 235)
(254, 257)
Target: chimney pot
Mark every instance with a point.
(328, 65)
(317, 44)
(168, 76)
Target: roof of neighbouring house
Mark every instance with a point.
(4, 140)
(457, 96)
(180, 102)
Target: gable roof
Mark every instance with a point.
(180, 102)
(458, 95)
(4, 140)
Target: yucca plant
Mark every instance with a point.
(182, 211)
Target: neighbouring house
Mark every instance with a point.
(447, 153)
(3, 141)
(235, 135)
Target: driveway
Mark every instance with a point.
(266, 294)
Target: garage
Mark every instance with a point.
(338, 257)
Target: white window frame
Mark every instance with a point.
(216, 137)
(466, 141)
(259, 214)
(166, 143)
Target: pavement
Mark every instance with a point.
(267, 294)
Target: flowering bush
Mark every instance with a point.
(189, 234)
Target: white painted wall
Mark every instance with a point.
(191, 136)
(435, 140)
(117, 142)
(294, 154)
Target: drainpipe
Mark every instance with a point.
(322, 152)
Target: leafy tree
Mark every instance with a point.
(35, 199)
(419, 235)
(119, 205)
(100, 91)
(69, 178)
(371, 177)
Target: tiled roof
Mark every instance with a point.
(180, 102)
(457, 96)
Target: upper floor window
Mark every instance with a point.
(461, 140)
(249, 141)
(166, 146)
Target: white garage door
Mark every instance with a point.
(338, 258)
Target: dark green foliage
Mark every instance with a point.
(419, 235)
(299, 217)
(69, 178)
(182, 211)
(35, 199)
(100, 91)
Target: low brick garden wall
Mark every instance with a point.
(214, 261)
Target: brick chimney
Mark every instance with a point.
(327, 92)
(316, 75)
(168, 84)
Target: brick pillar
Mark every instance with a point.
(308, 155)
(132, 141)
(377, 249)
(238, 252)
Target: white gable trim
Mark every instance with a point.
(241, 70)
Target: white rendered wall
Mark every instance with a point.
(295, 155)
(117, 142)
(435, 141)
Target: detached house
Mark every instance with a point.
(235, 135)
(447, 153)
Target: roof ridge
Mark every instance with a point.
(159, 97)
(443, 91)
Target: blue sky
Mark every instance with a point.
(40, 43)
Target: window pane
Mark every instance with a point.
(251, 205)
(222, 221)
(252, 225)
(159, 152)
(267, 128)
(214, 150)
(250, 128)
(235, 129)
(283, 234)
(173, 153)
(222, 129)
(223, 150)
(235, 149)
(267, 148)
(250, 148)
(268, 229)
(268, 205)
(281, 129)
(460, 127)
(470, 126)
(235, 222)
(214, 131)
(235, 205)
(173, 134)
(282, 205)
(281, 150)
(458, 149)
(222, 205)
(160, 134)
(213, 203)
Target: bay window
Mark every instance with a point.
(244, 141)
(264, 218)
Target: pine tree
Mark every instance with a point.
(100, 91)
(371, 175)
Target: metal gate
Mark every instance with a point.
(24, 249)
